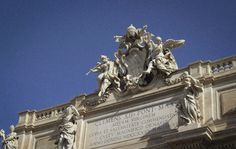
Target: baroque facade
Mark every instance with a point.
(143, 101)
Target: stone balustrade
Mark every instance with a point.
(32, 118)
(145, 114)
(223, 65)
(50, 113)
(197, 69)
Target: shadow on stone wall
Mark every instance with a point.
(46, 143)
(154, 137)
(222, 139)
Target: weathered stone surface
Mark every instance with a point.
(139, 60)
(135, 123)
(149, 118)
(45, 143)
(228, 102)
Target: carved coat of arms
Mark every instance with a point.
(141, 58)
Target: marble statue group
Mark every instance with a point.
(138, 58)
(141, 58)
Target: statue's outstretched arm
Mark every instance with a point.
(97, 68)
(2, 134)
(76, 112)
(11, 137)
(119, 38)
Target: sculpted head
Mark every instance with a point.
(68, 111)
(104, 58)
(131, 31)
(159, 40)
(187, 82)
(185, 74)
(12, 128)
(2, 132)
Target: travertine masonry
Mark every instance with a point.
(146, 119)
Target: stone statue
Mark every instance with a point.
(190, 105)
(10, 141)
(160, 56)
(137, 56)
(108, 75)
(68, 128)
(134, 38)
(120, 62)
(136, 43)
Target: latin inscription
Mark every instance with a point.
(131, 125)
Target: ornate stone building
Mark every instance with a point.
(144, 101)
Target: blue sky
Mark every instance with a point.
(47, 46)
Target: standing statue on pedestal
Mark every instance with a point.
(68, 128)
(190, 104)
(108, 76)
(9, 141)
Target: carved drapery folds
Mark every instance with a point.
(139, 60)
(189, 105)
(9, 141)
(68, 128)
